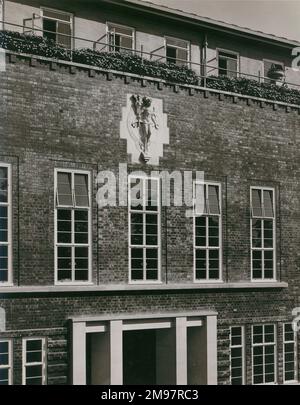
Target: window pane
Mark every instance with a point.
(64, 39)
(64, 189)
(256, 203)
(268, 203)
(49, 29)
(56, 15)
(3, 184)
(81, 190)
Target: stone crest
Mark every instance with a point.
(144, 126)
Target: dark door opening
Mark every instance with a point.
(139, 357)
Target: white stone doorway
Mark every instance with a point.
(145, 349)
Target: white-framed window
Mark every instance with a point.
(208, 233)
(227, 63)
(120, 38)
(144, 229)
(290, 365)
(58, 26)
(5, 225)
(34, 361)
(237, 355)
(72, 226)
(5, 362)
(177, 51)
(262, 230)
(264, 354)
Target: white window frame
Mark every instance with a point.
(188, 49)
(242, 346)
(263, 280)
(53, 10)
(9, 366)
(276, 62)
(56, 244)
(42, 363)
(232, 53)
(9, 281)
(295, 354)
(116, 25)
(144, 211)
(207, 248)
(264, 344)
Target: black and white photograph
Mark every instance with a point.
(149, 196)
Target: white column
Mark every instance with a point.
(181, 351)
(211, 330)
(116, 353)
(79, 353)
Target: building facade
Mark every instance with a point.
(132, 292)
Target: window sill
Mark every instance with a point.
(141, 287)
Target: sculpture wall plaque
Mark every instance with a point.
(144, 126)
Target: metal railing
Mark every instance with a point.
(204, 72)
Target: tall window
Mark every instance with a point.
(120, 38)
(264, 354)
(207, 233)
(144, 230)
(227, 63)
(5, 362)
(290, 353)
(237, 355)
(5, 224)
(34, 361)
(177, 51)
(73, 221)
(262, 234)
(57, 26)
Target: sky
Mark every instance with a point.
(278, 17)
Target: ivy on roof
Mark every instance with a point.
(130, 63)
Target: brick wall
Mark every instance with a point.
(53, 119)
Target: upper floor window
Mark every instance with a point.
(57, 26)
(264, 354)
(273, 70)
(227, 63)
(177, 51)
(144, 229)
(262, 233)
(5, 224)
(120, 38)
(34, 361)
(72, 222)
(289, 353)
(207, 233)
(5, 362)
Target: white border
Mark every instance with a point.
(207, 280)
(264, 280)
(9, 281)
(73, 171)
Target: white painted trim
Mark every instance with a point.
(147, 325)
(71, 23)
(273, 249)
(144, 212)
(243, 347)
(295, 380)
(188, 48)
(73, 244)
(9, 242)
(218, 50)
(133, 35)
(207, 248)
(264, 344)
(9, 366)
(43, 363)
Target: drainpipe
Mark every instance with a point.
(204, 60)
